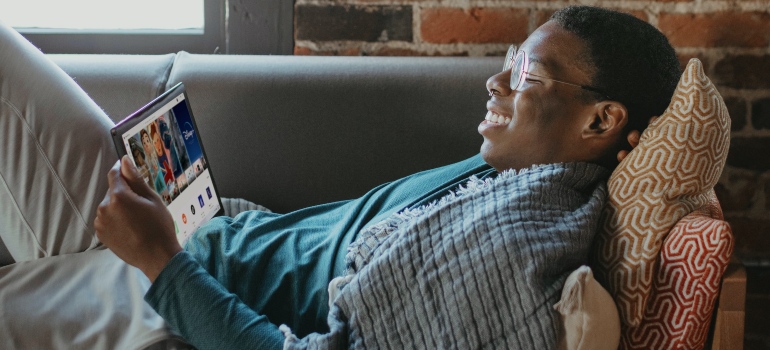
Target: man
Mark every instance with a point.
(408, 270)
(571, 94)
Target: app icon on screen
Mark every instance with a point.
(200, 200)
(208, 192)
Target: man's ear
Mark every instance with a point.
(608, 120)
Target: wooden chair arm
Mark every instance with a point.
(731, 309)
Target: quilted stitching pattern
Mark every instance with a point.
(670, 174)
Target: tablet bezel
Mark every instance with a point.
(147, 111)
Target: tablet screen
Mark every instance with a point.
(166, 149)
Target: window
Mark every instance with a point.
(106, 16)
(153, 26)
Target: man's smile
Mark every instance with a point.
(495, 118)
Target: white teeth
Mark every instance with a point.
(496, 118)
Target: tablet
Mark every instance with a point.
(163, 141)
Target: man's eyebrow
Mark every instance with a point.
(545, 63)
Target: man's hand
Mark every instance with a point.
(633, 140)
(133, 221)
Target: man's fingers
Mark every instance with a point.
(633, 138)
(113, 174)
(134, 179)
(622, 155)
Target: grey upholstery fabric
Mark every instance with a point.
(120, 84)
(287, 132)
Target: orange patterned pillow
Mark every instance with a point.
(693, 259)
(670, 174)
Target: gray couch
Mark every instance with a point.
(292, 131)
(288, 132)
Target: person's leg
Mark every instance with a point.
(89, 300)
(55, 151)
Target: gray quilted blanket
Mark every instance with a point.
(481, 268)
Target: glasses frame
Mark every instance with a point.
(515, 54)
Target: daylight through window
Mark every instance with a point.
(104, 15)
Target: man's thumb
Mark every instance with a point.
(133, 178)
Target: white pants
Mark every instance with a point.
(58, 288)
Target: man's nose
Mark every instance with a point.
(500, 83)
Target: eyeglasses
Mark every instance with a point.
(519, 60)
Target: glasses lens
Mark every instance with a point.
(509, 58)
(518, 69)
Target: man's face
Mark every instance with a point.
(546, 117)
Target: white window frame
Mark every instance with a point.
(266, 29)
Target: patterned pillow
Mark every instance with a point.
(670, 174)
(693, 259)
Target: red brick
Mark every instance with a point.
(743, 71)
(477, 25)
(716, 29)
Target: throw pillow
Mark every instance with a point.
(668, 175)
(589, 317)
(693, 259)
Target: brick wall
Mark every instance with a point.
(732, 38)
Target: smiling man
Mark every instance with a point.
(528, 106)
(470, 255)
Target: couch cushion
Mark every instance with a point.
(670, 174)
(292, 131)
(120, 84)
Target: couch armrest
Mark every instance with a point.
(731, 309)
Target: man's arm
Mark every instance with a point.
(206, 314)
(134, 223)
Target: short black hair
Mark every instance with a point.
(635, 64)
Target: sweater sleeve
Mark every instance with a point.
(207, 315)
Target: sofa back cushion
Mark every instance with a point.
(292, 131)
(119, 84)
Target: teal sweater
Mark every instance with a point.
(241, 277)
